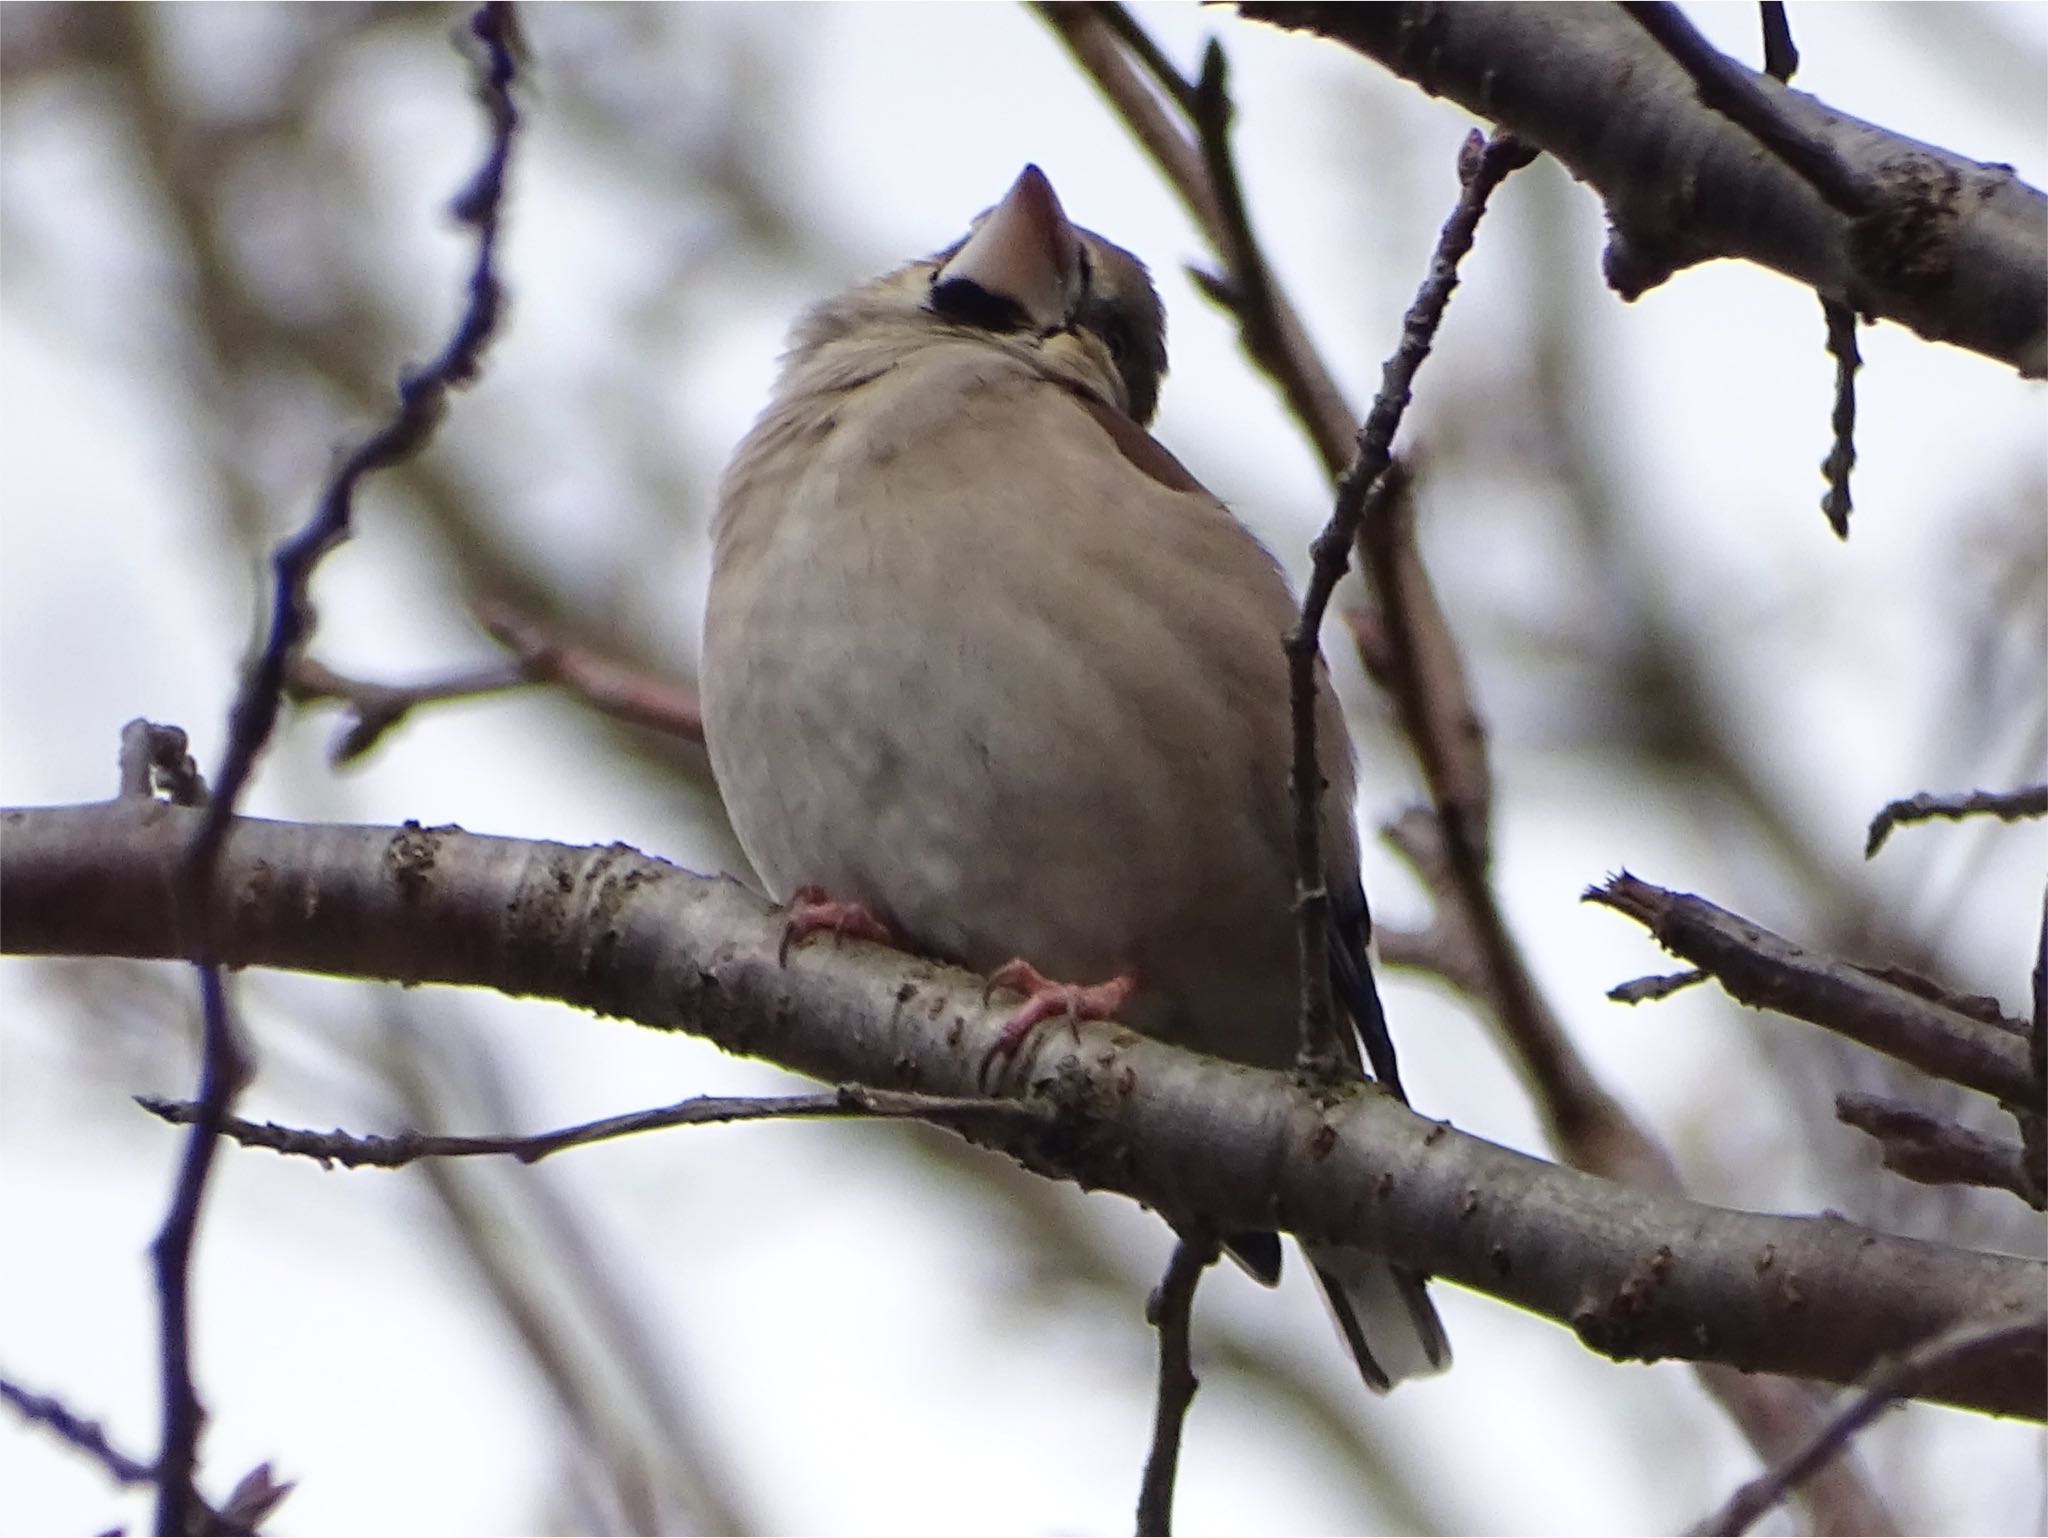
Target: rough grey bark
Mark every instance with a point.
(1636, 1275)
(1953, 248)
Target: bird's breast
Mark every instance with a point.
(981, 690)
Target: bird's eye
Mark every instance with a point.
(1116, 336)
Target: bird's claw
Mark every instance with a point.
(812, 909)
(1044, 999)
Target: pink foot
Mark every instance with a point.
(811, 910)
(1044, 999)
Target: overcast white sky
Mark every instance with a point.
(854, 1326)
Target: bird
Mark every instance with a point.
(989, 675)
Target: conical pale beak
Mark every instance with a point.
(1024, 251)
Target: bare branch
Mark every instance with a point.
(422, 403)
(1891, 1384)
(1735, 93)
(2005, 805)
(614, 688)
(1646, 990)
(1950, 247)
(1171, 1311)
(255, 1496)
(223, 1069)
(1935, 1151)
(541, 655)
(376, 708)
(1270, 336)
(1479, 955)
(1766, 971)
(1841, 321)
(89, 1437)
(225, 1065)
(1636, 1274)
(1096, 37)
(1482, 166)
(1117, 20)
(848, 1102)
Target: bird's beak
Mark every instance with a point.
(1024, 250)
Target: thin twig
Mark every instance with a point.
(541, 656)
(1246, 287)
(1645, 990)
(89, 1437)
(1099, 48)
(2005, 805)
(1892, 1383)
(1118, 21)
(1482, 165)
(1841, 458)
(1408, 648)
(1171, 1310)
(376, 708)
(612, 687)
(1096, 38)
(423, 402)
(370, 1151)
(1211, 115)
(1781, 58)
(223, 1069)
(225, 1066)
(1730, 90)
(254, 1497)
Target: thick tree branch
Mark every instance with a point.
(1733, 92)
(1950, 247)
(1637, 1276)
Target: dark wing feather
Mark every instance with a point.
(1351, 976)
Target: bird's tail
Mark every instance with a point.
(1382, 1309)
(1384, 1314)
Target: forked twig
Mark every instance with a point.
(225, 1066)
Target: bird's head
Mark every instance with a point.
(1027, 280)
